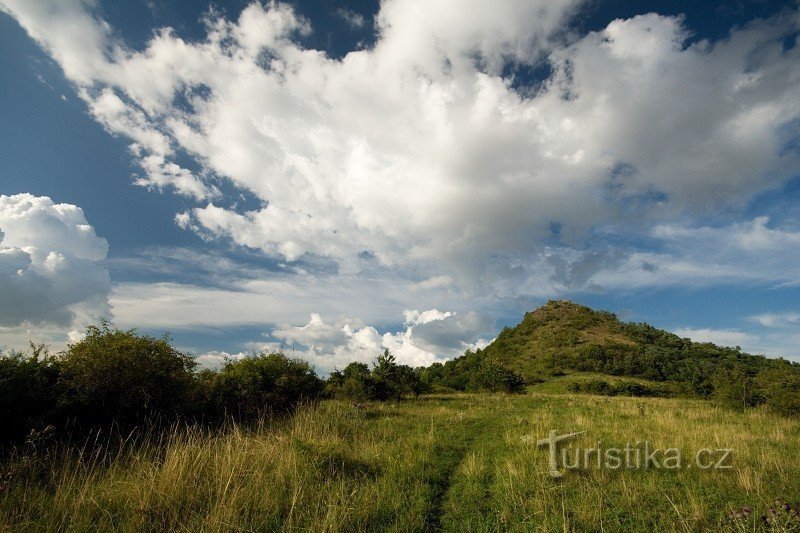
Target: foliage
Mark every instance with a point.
(494, 377)
(27, 391)
(259, 385)
(387, 380)
(354, 382)
(121, 377)
(780, 388)
(605, 388)
(735, 387)
(562, 337)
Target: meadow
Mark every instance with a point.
(450, 462)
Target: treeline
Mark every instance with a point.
(387, 380)
(121, 379)
(727, 375)
(473, 372)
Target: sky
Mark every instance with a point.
(333, 178)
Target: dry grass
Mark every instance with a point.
(452, 462)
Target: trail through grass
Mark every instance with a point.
(446, 462)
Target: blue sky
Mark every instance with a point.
(333, 178)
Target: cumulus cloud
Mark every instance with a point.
(215, 359)
(427, 337)
(419, 173)
(720, 337)
(771, 342)
(419, 152)
(778, 320)
(52, 270)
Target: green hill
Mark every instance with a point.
(563, 337)
(555, 335)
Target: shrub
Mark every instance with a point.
(601, 387)
(494, 377)
(260, 385)
(780, 388)
(355, 382)
(121, 377)
(594, 386)
(387, 377)
(27, 392)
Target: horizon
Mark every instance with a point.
(338, 179)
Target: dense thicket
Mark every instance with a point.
(121, 379)
(115, 376)
(256, 386)
(27, 391)
(473, 372)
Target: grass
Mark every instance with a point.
(445, 462)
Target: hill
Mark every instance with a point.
(563, 337)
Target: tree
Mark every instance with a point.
(387, 376)
(735, 387)
(355, 382)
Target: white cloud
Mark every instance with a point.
(429, 180)
(748, 251)
(416, 150)
(750, 237)
(355, 20)
(778, 320)
(52, 272)
(215, 359)
(242, 295)
(283, 298)
(720, 337)
(772, 343)
(428, 337)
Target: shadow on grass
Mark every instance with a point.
(335, 462)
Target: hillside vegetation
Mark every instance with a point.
(120, 432)
(123, 379)
(563, 337)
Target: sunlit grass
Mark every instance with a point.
(455, 462)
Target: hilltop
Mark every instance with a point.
(557, 333)
(563, 337)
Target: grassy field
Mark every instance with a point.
(443, 462)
